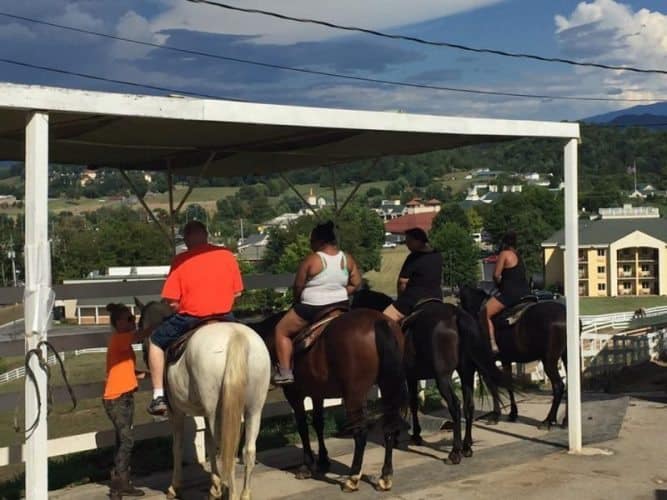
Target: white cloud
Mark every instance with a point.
(16, 32)
(376, 14)
(73, 15)
(135, 27)
(611, 32)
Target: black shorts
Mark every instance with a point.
(309, 312)
(507, 300)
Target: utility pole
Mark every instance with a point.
(11, 255)
(242, 238)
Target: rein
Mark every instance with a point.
(30, 374)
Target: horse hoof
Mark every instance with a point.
(546, 425)
(455, 457)
(172, 493)
(564, 424)
(493, 420)
(351, 485)
(323, 467)
(467, 452)
(416, 440)
(304, 473)
(384, 484)
(512, 417)
(447, 425)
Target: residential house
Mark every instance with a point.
(418, 213)
(252, 248)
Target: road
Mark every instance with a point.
(14, 330)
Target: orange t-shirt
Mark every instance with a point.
(120, 366)
(204, 281)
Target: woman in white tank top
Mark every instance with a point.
(326, 277)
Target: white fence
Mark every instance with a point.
(19, 372)
(616, 321)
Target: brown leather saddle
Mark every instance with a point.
(175, 350)
(307, 337)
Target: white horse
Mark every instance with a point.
(223, 375)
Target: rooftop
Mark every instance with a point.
(606, 231)
(401, 224)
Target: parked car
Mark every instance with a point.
(389, 244)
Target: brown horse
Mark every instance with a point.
(539, 335)
(356, 350)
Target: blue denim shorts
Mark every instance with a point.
(174, 327)
(171, 329)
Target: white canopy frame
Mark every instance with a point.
(283, 137)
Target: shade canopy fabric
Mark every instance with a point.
(134, 132)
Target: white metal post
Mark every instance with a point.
(37, 295)
(572, 295)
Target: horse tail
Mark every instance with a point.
(477, 350)
(233, 392)
(391, 375)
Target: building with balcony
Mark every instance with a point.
(622, 252)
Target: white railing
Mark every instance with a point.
(100, 350)
(194, 428)
(616, 321)
(19, 372)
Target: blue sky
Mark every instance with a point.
(631, 33)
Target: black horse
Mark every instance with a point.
(539, 335)
(439, 339)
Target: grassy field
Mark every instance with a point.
(385, 280)
(10, 313)
(204, 196)
(606, 305)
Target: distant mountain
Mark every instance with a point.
(649, 115)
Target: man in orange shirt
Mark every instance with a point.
(203, 281)
(118, 399)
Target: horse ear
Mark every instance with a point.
(138, 303)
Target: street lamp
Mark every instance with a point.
(11, 254)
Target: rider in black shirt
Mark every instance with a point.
(510, 276)
(420, 277)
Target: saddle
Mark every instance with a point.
(417, 311)
(511, 315)
(175, 350)
(307, 337)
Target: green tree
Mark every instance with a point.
(534, 215)
(452, 213)
(293, 254)
(460, 255)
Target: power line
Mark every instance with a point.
(113, 80)
(423, 41)
(327, 73)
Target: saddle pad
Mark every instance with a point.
(175, 350)
(307, 337)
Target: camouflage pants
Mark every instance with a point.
(121, 414)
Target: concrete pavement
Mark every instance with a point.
(511, 460)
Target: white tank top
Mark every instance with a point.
(329, 286)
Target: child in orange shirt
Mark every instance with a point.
(118, 396)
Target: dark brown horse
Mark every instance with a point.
(355, 351)
(539, 335)
(441, 338)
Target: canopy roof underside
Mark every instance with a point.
(136, 132)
